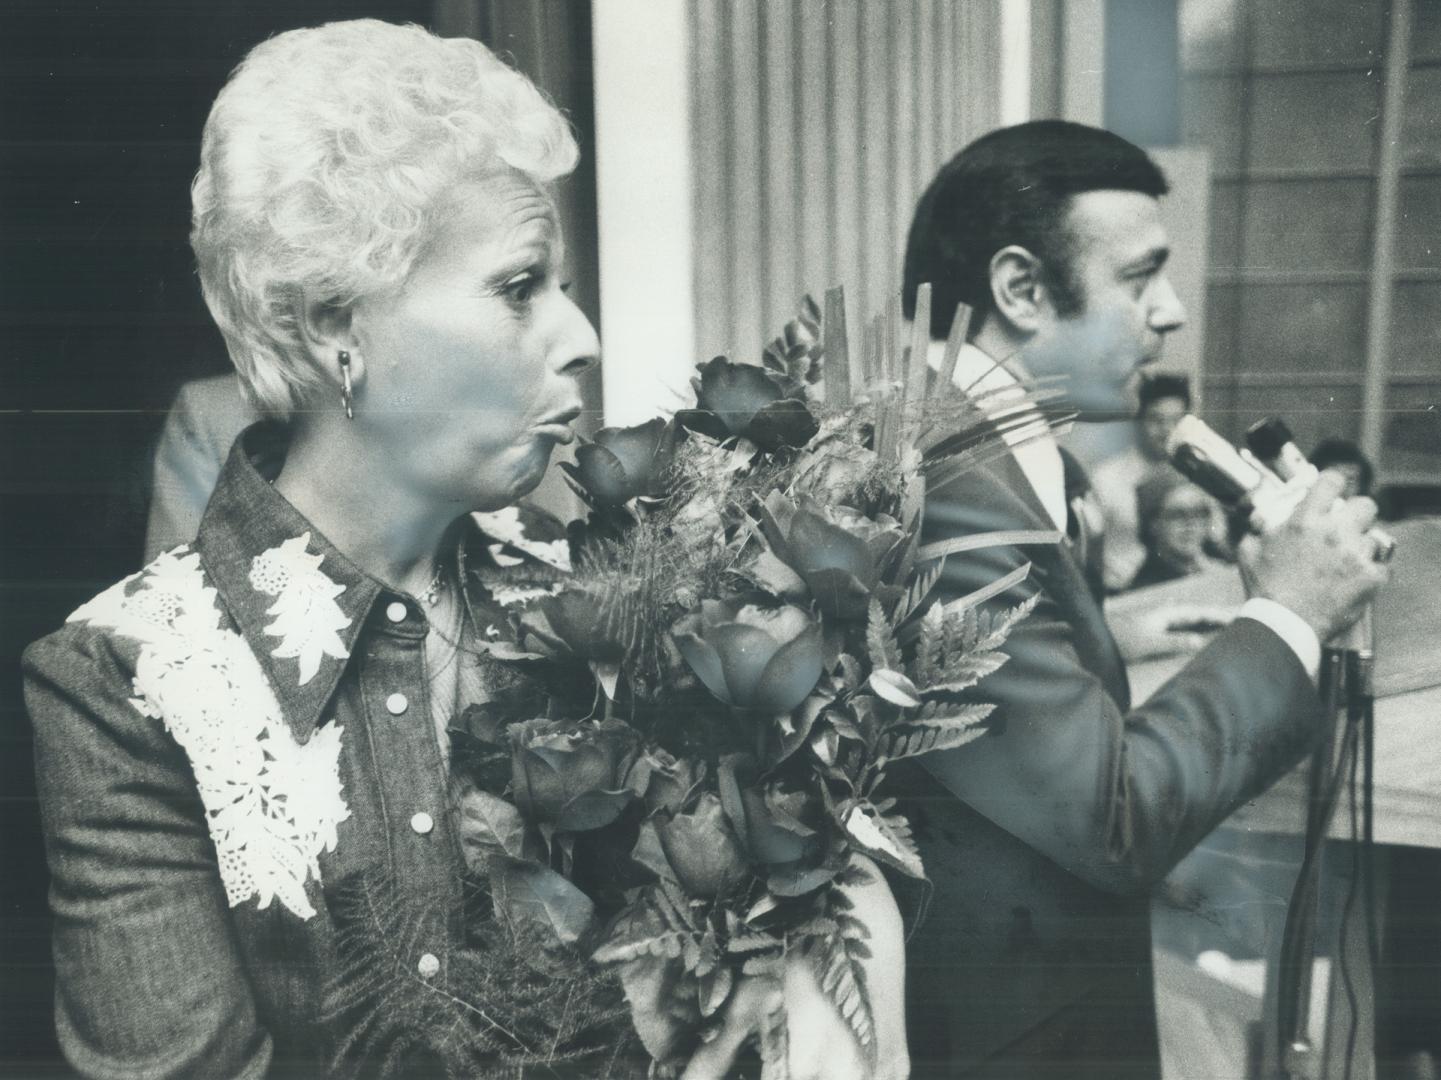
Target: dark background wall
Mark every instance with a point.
(101, 109)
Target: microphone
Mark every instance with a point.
(1270, 440)
(1235, 478)
(1270, 482)
(1241, 481)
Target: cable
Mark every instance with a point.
(1360, 726)
(1368, 818)
(1299, 931)
(1347, 982)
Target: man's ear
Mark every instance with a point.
(1018, 289)
(325, 327)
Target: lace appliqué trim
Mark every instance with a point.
(505, 525)
(272, 804)
(307, 617)
(515, 595)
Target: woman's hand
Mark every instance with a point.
(821, 1045)
(821, 1042)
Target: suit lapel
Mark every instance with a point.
(1093, 637)
(1064, 579)
(1017, 481)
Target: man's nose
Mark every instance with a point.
(577, 348)
(1168, 313)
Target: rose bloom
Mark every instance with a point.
(752, 657)
(554, 762)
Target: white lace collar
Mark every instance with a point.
(272, 804)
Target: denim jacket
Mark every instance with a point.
(221, 739)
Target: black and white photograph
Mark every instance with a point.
(708, 539)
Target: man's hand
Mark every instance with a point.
(1320, 563)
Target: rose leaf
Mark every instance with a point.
(593, 810)
(539, 894)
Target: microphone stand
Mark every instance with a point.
(1264, 484)
(1347, 690)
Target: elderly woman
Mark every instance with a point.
(228, 737)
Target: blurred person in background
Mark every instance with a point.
(1175, 519)
(1345, 457)
(1164, 399)
(201, 426)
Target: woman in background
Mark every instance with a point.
(229, 739)
(1174, 523)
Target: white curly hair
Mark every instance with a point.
(326, 159)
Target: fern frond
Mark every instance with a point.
(919, 590)
(993, 627)
(923, 736)
(666, 945)
(930, 646)
(507, 1000)
(880, 641)
(965, 671)
(885, 837)
(379, 1012)
(840, 973)
(820, 926)
(749, 941)
(962, 631)
(957, 648)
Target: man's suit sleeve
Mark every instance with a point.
(1115, 798)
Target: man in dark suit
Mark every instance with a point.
(1044, 838)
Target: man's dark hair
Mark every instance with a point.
(1159, 387)
(1333, 451)
(1013, 186)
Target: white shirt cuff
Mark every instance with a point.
(1289, 627)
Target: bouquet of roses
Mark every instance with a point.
(723, 660)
